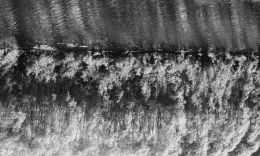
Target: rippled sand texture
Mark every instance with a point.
(180, 23)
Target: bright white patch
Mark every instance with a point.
(44, 47)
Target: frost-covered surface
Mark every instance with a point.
(148, 104)
(138, 131)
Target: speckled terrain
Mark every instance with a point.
(150, 104)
